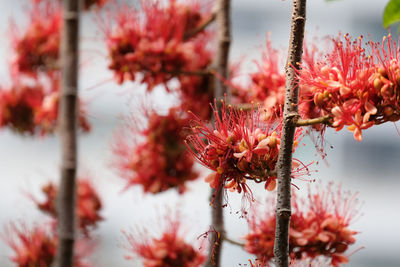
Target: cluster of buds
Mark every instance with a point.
(159, 41)
(88, 204)
(32, 107)
(318, 227)
(169, 250)
(161, 161)
(240, 146)
(37, 49)
(38, 246)
(356, 89)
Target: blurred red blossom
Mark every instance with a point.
(267, 85)
(159, 162)
(196, 93)
(169, 250)
(88, 204)
(19, 106)
(319, 227)
(240, 146)
(156, 41)
(31, 107)
(37, 48)
(37, 246)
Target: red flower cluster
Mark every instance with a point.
(318, 227)
(356, 89)
(161, 161)
(156, 41)
(241, 146)
(37, 49)
(32, 108)
(37, 247)
(170, 250)
(88, 204)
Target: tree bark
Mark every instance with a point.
(67, 130)
(290, 114)
(221, 67)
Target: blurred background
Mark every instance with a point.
(371, 167)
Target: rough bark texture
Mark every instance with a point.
(221, 67)
(67, 130)
(284, 165)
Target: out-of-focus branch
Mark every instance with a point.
(67, 130)
(201, 27)
(233, 242)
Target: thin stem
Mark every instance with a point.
(233, 242)
(221, 67)
(200, 28)
(188, 72)
(67, 130)
(290, 114)
(308, 122)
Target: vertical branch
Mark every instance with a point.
(284, 165)
(67, 130)
(221, 67)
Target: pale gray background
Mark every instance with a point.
(371, 167)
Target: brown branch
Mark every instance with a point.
(67, 130)
(261, 176)
(200, 28)
(220, 88)
(233, 242)
(187, 72)
(284, 164)
(308, 122)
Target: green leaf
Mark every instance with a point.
(391, 14)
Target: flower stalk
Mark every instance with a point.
(222, 17)
(290, 113)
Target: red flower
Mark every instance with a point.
(170, 250)
(318, 227)
(88, 204)
(154, 41)
(37, 246)
(161, 161)
(37, 49)
(240, 146)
